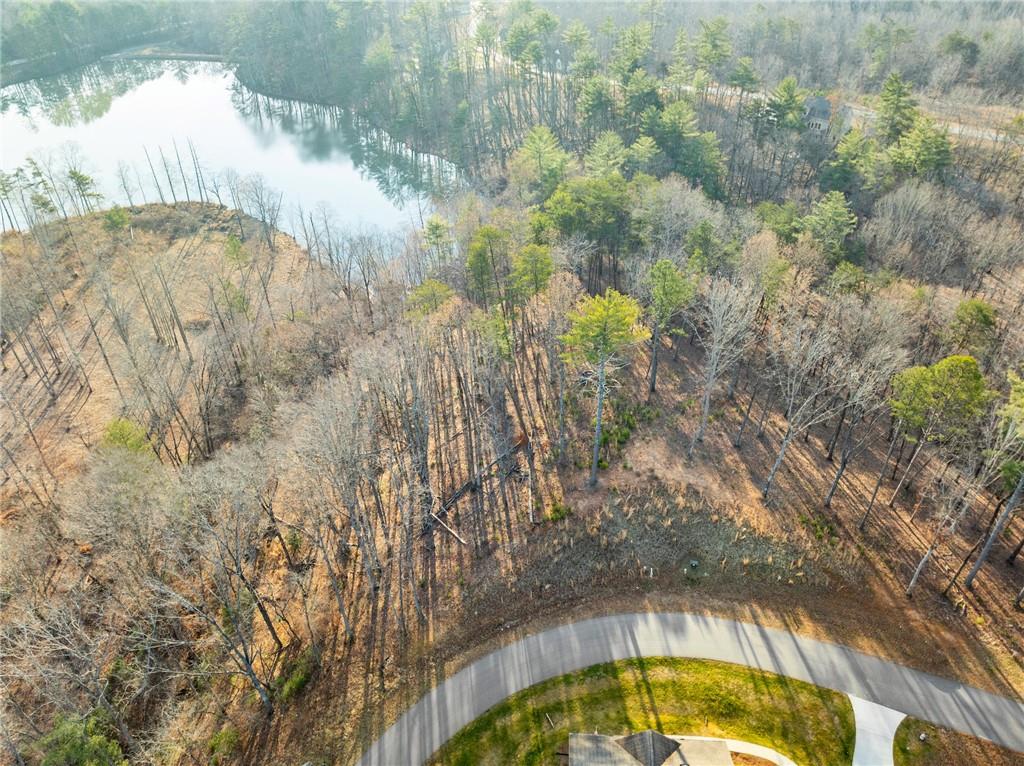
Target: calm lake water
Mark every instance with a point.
(109, 115)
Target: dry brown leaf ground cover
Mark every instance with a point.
(787, 563)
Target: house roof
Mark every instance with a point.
(597, 750)
(651, 748)
(697, 752)
(645, 748)
(817, 106)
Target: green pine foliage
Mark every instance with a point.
(80, 742)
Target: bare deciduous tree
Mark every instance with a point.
(726, 318)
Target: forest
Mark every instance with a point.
(726, 314)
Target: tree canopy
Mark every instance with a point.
(944, 400)
(603, 326)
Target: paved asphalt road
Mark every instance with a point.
(460, 699)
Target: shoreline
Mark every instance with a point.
(143, 55)
(24, 70)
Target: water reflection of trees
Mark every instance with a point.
(83, 95)
(321, 132)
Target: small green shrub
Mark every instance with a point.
(615, 435)
(558, 511)
(223, 743)
(234, 614)
(295, 676)
(121, 674)
(429, 297)
(294, 542)
(821, 528)
(116, 219)
(235, 300)
(234, 252)
(123, 433)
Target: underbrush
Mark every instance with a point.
(295, 675)
(627, 416)
(677, 536)
(223, 744)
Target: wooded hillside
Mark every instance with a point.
(675, 346)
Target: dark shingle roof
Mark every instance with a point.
(597, 750)
(650, 747)
(817, 106)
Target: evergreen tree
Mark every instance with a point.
(601, 328)
(745, 80)
(743, 77)
(923, 151)
(607, 155)
(640, 156)
(80, 742)
(679, 72)
(713, 47)
(786, 105)
(941, 402)
(540, 163)
(783, 220)
(974, 327)
(428, 297)
(532, 267)
(487, 264)
(855, 165)
(632, 50)
(597, 103)
(597, 208)
(830, 222)
(641, 94)
(692, 154)
(670, 292)
(897, 109)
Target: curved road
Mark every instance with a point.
(436, 717)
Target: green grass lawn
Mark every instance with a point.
(676, 696)
(908, 750)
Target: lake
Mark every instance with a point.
(123, 120)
